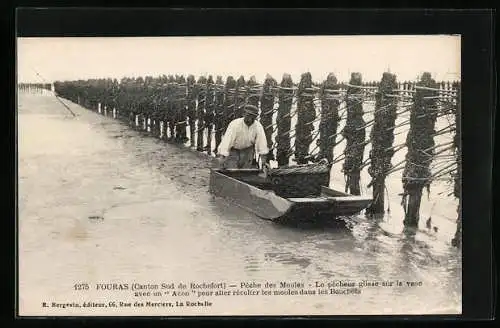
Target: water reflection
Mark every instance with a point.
(252, 263)
(288, 258)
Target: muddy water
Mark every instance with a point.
(99, 203)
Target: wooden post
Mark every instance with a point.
(284, 120)
(219, 111)
(457, 141)
(354, 133)
(115, 89)
(191, 108)
(382, 139)
(139, 90)
(131, 96)
(172, 109)
(104, 94)
(148, 103)
(118, 100)
(267, 111)
(143, 101)
(417, 174)
(180, 110)
(200, 111)
(306, 113)
(170, 126)
(229, 102)
(163, 104)
(240, 97)
(209, 113)
(252, 95)
(329, 117)
(155, 112)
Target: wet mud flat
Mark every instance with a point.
(100, 202)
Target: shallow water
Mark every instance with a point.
(100, 202)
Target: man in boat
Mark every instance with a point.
(244, 137)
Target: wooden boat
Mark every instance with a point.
(261, 195)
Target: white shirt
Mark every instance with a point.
(240, 136)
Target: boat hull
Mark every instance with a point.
(264, 203)
(248, 190)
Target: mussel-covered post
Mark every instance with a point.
(306, 114)
(155, 119)
(124, 101)
(253, 93)
(148, 102)
(91, 96)
(457, 143)
(88, 99)
(83, 97)
(95, 95)
(200, 111)
(180, 102)
(284, 120)
(134, 90)
(229, 102)
(191, 107)
(267, 111)
(150, 105)
(240, 97)
(104, 96)
(115, 89)
(219, 111)
(170, 108)
(141, 100)
(135, 102)
(138, 97)
(382, 138)
(329, 117)
(130, 92)
(163, 110)
(107, 96)
(420, 143)
(126, 105)
(209, 113)
(354, 133)
(127, 94)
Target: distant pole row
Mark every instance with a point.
(35, 88)
(168, 106)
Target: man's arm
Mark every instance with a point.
(261, 144)
(227, 139)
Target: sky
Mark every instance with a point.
(59, 59)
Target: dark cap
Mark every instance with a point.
(252, 110)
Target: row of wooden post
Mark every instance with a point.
(34, 87)
(207, 107)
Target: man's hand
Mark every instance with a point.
(265, 169)
(263, 160)
(221, 160)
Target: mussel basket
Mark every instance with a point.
(300, 180)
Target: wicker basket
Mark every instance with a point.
(301, 180)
